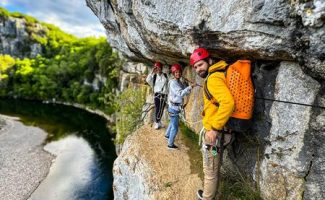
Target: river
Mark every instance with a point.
(82, 147)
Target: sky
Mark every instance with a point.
(72, 16)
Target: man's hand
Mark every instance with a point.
(211, 137)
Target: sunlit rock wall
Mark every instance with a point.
(16, 40)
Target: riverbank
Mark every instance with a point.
(21, 169)
(110, 119)
(79, 143)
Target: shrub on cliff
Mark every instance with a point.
(129, 110)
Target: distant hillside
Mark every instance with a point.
(41, 62)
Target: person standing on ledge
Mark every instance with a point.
(214, 117)
(159, 82)
(177, 90)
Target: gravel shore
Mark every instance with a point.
(23, 162)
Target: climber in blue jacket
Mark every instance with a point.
(177, 90)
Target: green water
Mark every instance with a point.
(61, 122)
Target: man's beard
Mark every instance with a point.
(203, 74)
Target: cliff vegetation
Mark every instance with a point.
(68, 69)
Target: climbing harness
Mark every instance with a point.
(173, 114)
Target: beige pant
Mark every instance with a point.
(210, 166)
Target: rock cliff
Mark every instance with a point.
(146, 169)
(257, 29)
(16, 39)
(284, 152)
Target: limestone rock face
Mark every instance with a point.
(290, 154)
(15, 39)
(284, 149)
(258, 29)
(132, 73)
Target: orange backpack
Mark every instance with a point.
(239, 82)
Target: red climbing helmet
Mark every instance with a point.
(158, 64)
(198, 54)
(176, 67)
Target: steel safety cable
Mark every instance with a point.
(290, 102)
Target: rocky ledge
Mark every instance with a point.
(146, 169)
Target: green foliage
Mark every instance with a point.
(129, 110)
(39, 39)
(191, 140)
(4, 13)
(6, 62)
(168, 184)
(238, 188)
(24, 67)
(60, 72)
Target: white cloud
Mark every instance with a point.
(72, 16)
(4, 2)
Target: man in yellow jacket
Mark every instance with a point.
(214, 117)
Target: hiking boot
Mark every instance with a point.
(200, 194)
(160, 125)
(172, 147)
(156, 126)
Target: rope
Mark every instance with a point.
(145, 112)
(289, 102)
(201, 133)
(162, 101)
(182, 115)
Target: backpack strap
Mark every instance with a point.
(207, 94)
(154, 80)
(165, 76)
(155, 77)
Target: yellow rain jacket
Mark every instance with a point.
(214, 118)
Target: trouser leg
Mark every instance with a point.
(173, 129)
(157, 106)
(169, 128)
(162, 103)
(210, 166)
